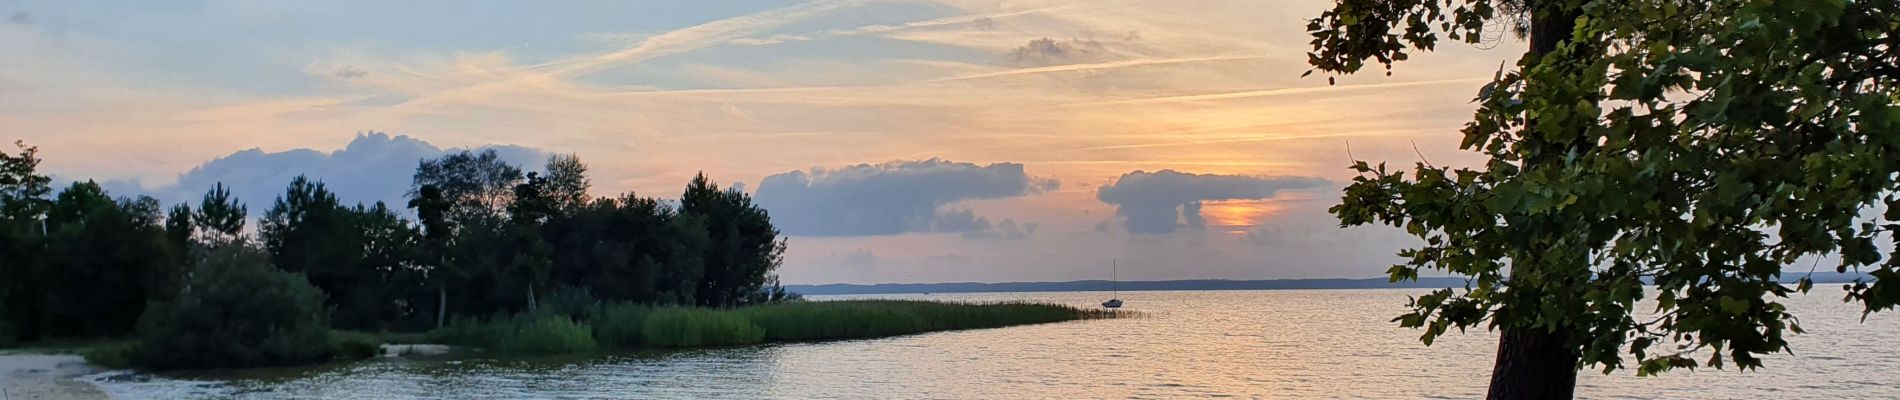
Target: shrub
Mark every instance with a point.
(117, 355)
(352, 345)
(686, 327)
(572, 302)
(620, 325)
(236, 310)
(7, 337)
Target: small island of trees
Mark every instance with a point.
(495, 258)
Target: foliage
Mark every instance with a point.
(628, 249)
(1702, 147)
(101, 261)
(362, 257)
(220, 218)
(692, 326)
(624, 325)
(621, 324)
(475, 185)
(744, 247)
(527, 333)
(487, 240)
(23, 190)
(567, 184)
(236, 311)
(115, 355)
(8, 336)
(353, 345)
(552, 334)
(822, 320)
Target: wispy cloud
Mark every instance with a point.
(1277, 92)
(1095, 66)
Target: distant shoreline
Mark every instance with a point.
(1186, 284)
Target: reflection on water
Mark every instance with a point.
(1261, 344)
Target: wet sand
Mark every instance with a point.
(46, 376)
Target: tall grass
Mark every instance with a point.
(621, 325)
(525, 334)
(625, 325)
(689, 327)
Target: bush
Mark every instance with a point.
(352, 345)
(548, 335)
(575, 303)
(686, 327)
(118, 355)
(620, 325)
(7, 337)
(236, 310)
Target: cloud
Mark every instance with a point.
(21, 18)
(349, 72)
(373, 167)
(972, 226)
(1046, 52)
(1006, 230)
(890, 198)
(1166, 200)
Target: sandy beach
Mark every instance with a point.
(45, 376)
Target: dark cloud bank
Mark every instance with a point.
(374, 167)
(1166, 200)
(896, 197)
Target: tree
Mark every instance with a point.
(23, 190)
(438, 236)
(566, 184)
(355, 255)
(744, 249)
(1701, 146)
(236, 311)
(103, 260)
(477, 185)
(629, 249)
(220, 218)
(530, 257)
(23, 204)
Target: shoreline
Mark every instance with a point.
(53, 376)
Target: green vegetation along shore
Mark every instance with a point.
(524, 262)
(604, 326)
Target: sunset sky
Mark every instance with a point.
(893, 141)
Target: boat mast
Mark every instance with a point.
(1115, 272)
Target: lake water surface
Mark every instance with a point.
(1246, 344)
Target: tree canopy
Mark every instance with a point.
(487, 239)
(1706, 148)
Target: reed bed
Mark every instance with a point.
(632, 326)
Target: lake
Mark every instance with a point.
(1245, 344)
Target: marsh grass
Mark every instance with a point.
(692, 327)
(523, 333)
(579, 329)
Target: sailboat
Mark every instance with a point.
(1114, 300)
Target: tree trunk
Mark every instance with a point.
(441, 305)
(1535, 363)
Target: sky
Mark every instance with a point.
(892, 141)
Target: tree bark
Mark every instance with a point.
(441, 305)
(1535, 363)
